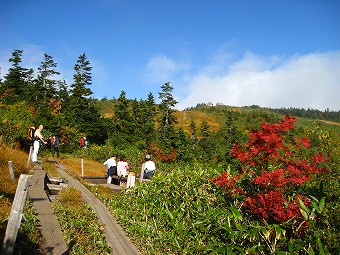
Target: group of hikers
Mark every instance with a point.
(114, 168)
(122, 169)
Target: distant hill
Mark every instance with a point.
(216, 116)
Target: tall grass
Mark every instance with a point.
(84, 235)
(181, 212)
(28, 238)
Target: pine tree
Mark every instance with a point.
(15, 87)
(79, 110)
(82, 78)
(193, 136)
(125, 127)
(167, 121)
(143, 113)
(166, 105)
(47, 71)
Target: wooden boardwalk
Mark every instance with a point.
(115, 235)
(54, 242)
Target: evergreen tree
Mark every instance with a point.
(15, 87)
(193, 136)
(147, 113)
(62, 91)
(206, 146)
(80, 111)
(184, 147)
(42, 93)
(82, 78)
(167, 121)
(45, 71)
(125, 126)
(204, 130)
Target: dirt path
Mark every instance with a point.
(50, 229)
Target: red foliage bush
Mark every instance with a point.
(272, 167)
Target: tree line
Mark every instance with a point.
(31, 97)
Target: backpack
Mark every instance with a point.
(82, 142)
(30, 133)
(112, 170)
(54, 141)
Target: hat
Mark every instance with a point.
(147, 157)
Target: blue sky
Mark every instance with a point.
(271, 53)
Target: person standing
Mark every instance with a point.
(38, 139)
(111, 168)
(83, 142)
(149, 167)
(55, 145)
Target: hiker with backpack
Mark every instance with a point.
(38, 139)
(55, 145)
(83, 142)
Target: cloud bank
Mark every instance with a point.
(301, 81)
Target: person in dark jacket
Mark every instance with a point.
(55, 145)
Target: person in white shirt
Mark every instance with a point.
(148, 167)
(38, 139)
(111, 168)
(122, 167)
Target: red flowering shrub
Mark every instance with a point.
(273, 167)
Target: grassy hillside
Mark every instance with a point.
(216, 116)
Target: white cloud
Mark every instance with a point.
(161, 68)
(303, 81)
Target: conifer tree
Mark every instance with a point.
(204, 129)
(125, 126)
(167, 121)
(15, 87)
(193, 136)
(79, 110)
(45, 72)
(146, 119)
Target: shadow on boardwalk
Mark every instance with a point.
(54, 242)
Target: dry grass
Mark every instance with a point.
(91, 168)
(7, 185)
(184, 119)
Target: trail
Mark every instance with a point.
(54, 243)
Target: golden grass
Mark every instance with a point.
(184, 119)
(7, 185)
(91, 168)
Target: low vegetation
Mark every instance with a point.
(78, 221)
(29, 238)
(182, 211)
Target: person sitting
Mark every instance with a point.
(148, 167)
(122, 167)
(111, 168)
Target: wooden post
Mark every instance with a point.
(82, 167)
(15, 216)
(141, 173)
(11, 170)
(29, 157)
